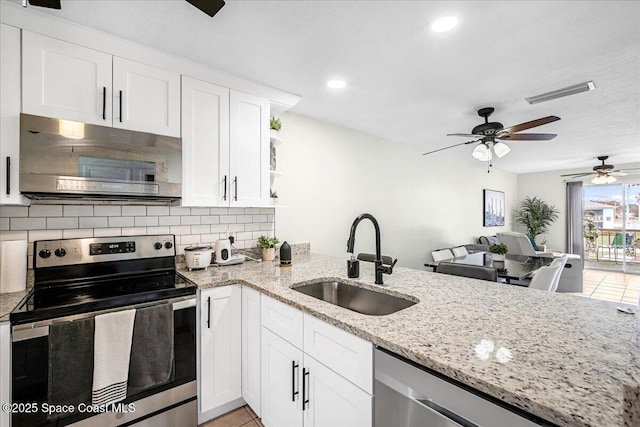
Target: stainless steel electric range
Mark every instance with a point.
(78, 280)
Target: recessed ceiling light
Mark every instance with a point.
(336, 84)
(444, 24)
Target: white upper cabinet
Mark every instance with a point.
(146, 98)
(9, 115)
(65, 80)
(205, 144)
(68, 81)
(249, 150)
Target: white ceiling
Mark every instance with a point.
(410, 85)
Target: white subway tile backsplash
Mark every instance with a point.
(209, 238)
(44, 235)
(179, 230)
(158, 210)
(77, 233)
(244, 218)
(254, 226)
(228, 219)
(251, 211)
(219, 211)
(244, 236)
(189, 220)
(105, 210)
(200, 229)
(190, 239)
(146, 221)
(179, 211)
(62, 223)
(4, 224)
(271, 218)
(133, 231)
(256, 234)
(169, 220)
(14, 211)
(199, 211)
(259, 218)
(219, 228)
(13, 235)
(210, 219)
(267, 211)
(235, 227)
(45, 210)
(107, 232)
(28, 224)
(266, 226)
(93, 222)
(239, 244)
(158, 230)
(77, 210)
(236, 211)
(121, 221)
(134, 210)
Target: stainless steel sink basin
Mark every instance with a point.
(357, 299)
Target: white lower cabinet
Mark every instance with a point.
(5, 371)
(219, 364)
(297, 389)
(251, 344)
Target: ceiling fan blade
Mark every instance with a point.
(578, 175)
(618, 173)
(627, 169)
(451, 146)
(51, 4)
(526, 125)
(529, 137)
(466, 135)
(210, 7)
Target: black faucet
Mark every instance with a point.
(380, 269)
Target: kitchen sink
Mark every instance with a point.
(354, 298)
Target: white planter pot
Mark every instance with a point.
(269, 254)
(498, 257)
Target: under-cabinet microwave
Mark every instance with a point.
(65, 159)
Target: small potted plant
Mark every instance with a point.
(274, 197)
(275, 125)
(268, 246)
(498, 250)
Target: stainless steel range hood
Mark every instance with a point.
(60, 159)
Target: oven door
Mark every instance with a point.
(173, 403)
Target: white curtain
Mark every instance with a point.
(575, 242)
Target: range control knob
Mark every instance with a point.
(60, 252)
(157, 245)
(168, 245)
(44, 253)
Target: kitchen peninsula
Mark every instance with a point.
(567, 361)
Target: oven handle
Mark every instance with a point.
(41, 329)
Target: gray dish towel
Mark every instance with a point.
(70, 362)
(152, 354)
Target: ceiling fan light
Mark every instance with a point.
(610, 179)
(481, 152)
(501, 149)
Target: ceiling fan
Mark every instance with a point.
(490, 135)
(605, 174)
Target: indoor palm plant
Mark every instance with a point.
(268, 246)
(536, 216)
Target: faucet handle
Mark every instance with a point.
(388, 269)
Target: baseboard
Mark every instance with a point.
(220, 410)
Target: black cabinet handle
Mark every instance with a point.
(104, 103)
(208, 312)
(294, 392)
(225, 188)
(235, 183)
(305, 394)
(8, 175)
(120, 106)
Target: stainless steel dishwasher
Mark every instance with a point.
(407, 395)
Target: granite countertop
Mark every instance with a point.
(567, 359)
(9, 301)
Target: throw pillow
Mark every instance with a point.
(533, 243)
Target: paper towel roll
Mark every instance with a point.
(13, 266)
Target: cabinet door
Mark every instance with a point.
(145, 98)
(281, 382)
(220, 370)
(5, 368)
(64, 80)
(251, 348)
(249, 150)
(205, 144)
(333, 401)
(9, 115)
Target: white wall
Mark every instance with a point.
(551, 187)
(332, 174)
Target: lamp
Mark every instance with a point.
(482, 152)
(501, 149)
(69, 129)
(604, 179)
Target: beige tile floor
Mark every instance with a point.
(241, 417)
(611, 286)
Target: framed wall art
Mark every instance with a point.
(493, 208)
